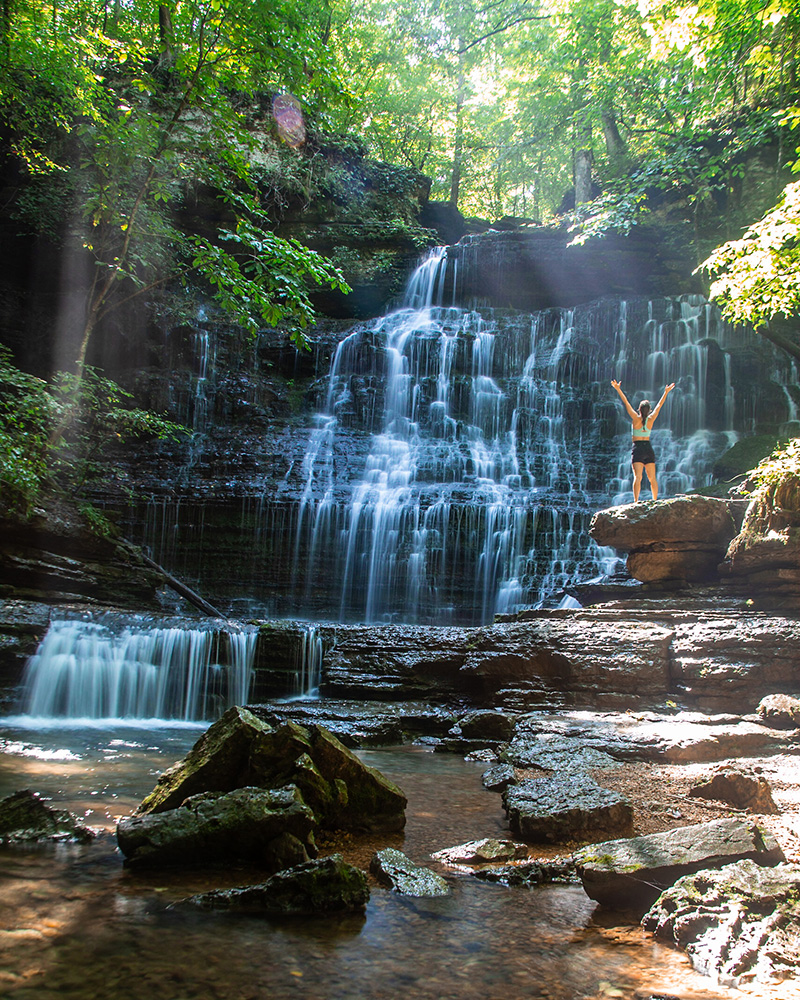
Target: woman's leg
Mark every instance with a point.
(650, 469)
(638, 468)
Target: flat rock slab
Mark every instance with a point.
(632, 872)
(272, 828)
(482, 852)
(740, 924)
(565, 808)
(393, 869)
(327, 885)
(585, 740)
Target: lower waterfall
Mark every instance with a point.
(91, 670)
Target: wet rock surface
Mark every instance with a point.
(739, 925)
(393, 869)
(324, 886)
(562, 809)
(241, 750)
(26, 818)
(480, 852)
(599, 658)
(55, 556)
(270, 828)
(632, 872)
(499, 777)
(528, 873)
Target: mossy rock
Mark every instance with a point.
(744, 456)
(242, 750)
(328, 885)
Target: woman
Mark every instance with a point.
(643, 458)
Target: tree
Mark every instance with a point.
(151, 103)
(757, 278)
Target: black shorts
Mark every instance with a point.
(642, 451)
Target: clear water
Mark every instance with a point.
(75, 923)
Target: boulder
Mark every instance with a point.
(271, 828)
(218, 762)
(494, 727)
(481, 852)
(739, 924)
(242, 750)
(632, 873)
(781, 711)
(394, 870)
(25, 817)
(764, 557)
(681, 520)
(499, 777)
(739, 789)
(683, 538)
(533, 871)
(565, 808)
(325, 886)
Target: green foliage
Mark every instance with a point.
(134, 105)
(264, 277)
(100, 415)
(783, 464)
(757, 277)
(26, 409)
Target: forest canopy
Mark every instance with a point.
(507, 105)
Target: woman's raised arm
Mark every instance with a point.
(667, 390)
(631, 412)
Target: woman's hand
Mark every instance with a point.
(616, 384)
(667, 389)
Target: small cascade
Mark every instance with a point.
(90, 670)
(308, 673)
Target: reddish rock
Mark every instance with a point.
(704, 520)
(739, 789)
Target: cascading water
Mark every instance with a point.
(86, 670)
(457, 454)
(308, 674)
(492, 443)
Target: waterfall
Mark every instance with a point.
(95, 670)
(457, 453)
(493, 437)
(308, 673)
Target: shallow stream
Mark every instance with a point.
(75, 923)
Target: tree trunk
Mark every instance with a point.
(458, 146)
(583, 176)
(582, 163)
(615, 144)
(166, 37)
